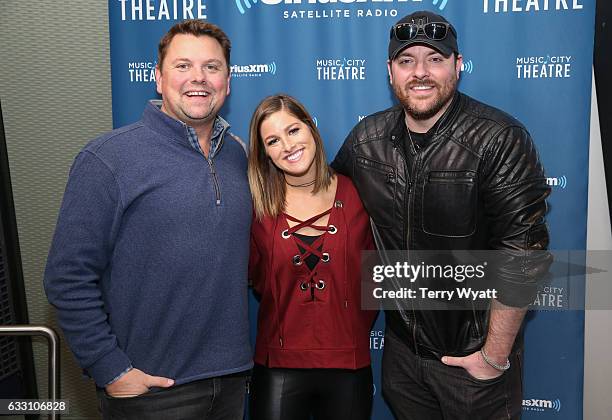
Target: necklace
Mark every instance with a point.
(305, 184)
(414, 145)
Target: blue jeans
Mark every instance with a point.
(219, 398)
(426, 389)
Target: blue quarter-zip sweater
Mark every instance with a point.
(148, 265)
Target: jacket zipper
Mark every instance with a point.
(215, 181)
(212, 170)
(406, 190)
(406, 230)
(466, 179)
(407, 236)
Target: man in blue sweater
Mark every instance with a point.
(148, 265)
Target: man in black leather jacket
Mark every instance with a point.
(442, 171)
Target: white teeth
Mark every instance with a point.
(422, 87)
(296, 155)
(197, 93)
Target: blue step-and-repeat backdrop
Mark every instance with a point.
(531, 58)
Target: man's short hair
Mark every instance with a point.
(194, 27)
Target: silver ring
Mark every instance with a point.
(304, 286)
(297, 259)
(332, 229)
(325, 257)
(285, 234)
(320, 285)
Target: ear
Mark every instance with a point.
(389, 64)
(458, 65)
(229, 78)
(158, 79)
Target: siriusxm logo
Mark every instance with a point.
(467, 66)
(541, 405)
(244, 5)
(247, 5)
(557, 182)
(442, 4)
(253, 70)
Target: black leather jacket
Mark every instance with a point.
(477, 184)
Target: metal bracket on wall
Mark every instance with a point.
(53, 353)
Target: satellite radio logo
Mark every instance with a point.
(244, 5)
(542, 405)
(253, 70)
(560, 182)
(442, 4)
(295, 9)
(467, 66)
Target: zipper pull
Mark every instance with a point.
(346, 303)
(281, 341)
(390, 177)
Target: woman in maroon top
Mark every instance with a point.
(312, 355)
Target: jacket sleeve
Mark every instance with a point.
(343, 162)
(514, 192)
(79, 255)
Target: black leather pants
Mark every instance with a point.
(296, 394)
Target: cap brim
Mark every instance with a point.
(445, 50)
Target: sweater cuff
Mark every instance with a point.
(116, 378)
(109, 367)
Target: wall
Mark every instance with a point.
(55, 93)
(597, 340)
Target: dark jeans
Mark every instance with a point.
(298, 394)
(220, 398)
(426, 389)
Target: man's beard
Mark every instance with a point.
(444, 96)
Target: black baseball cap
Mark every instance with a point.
(445, 46)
